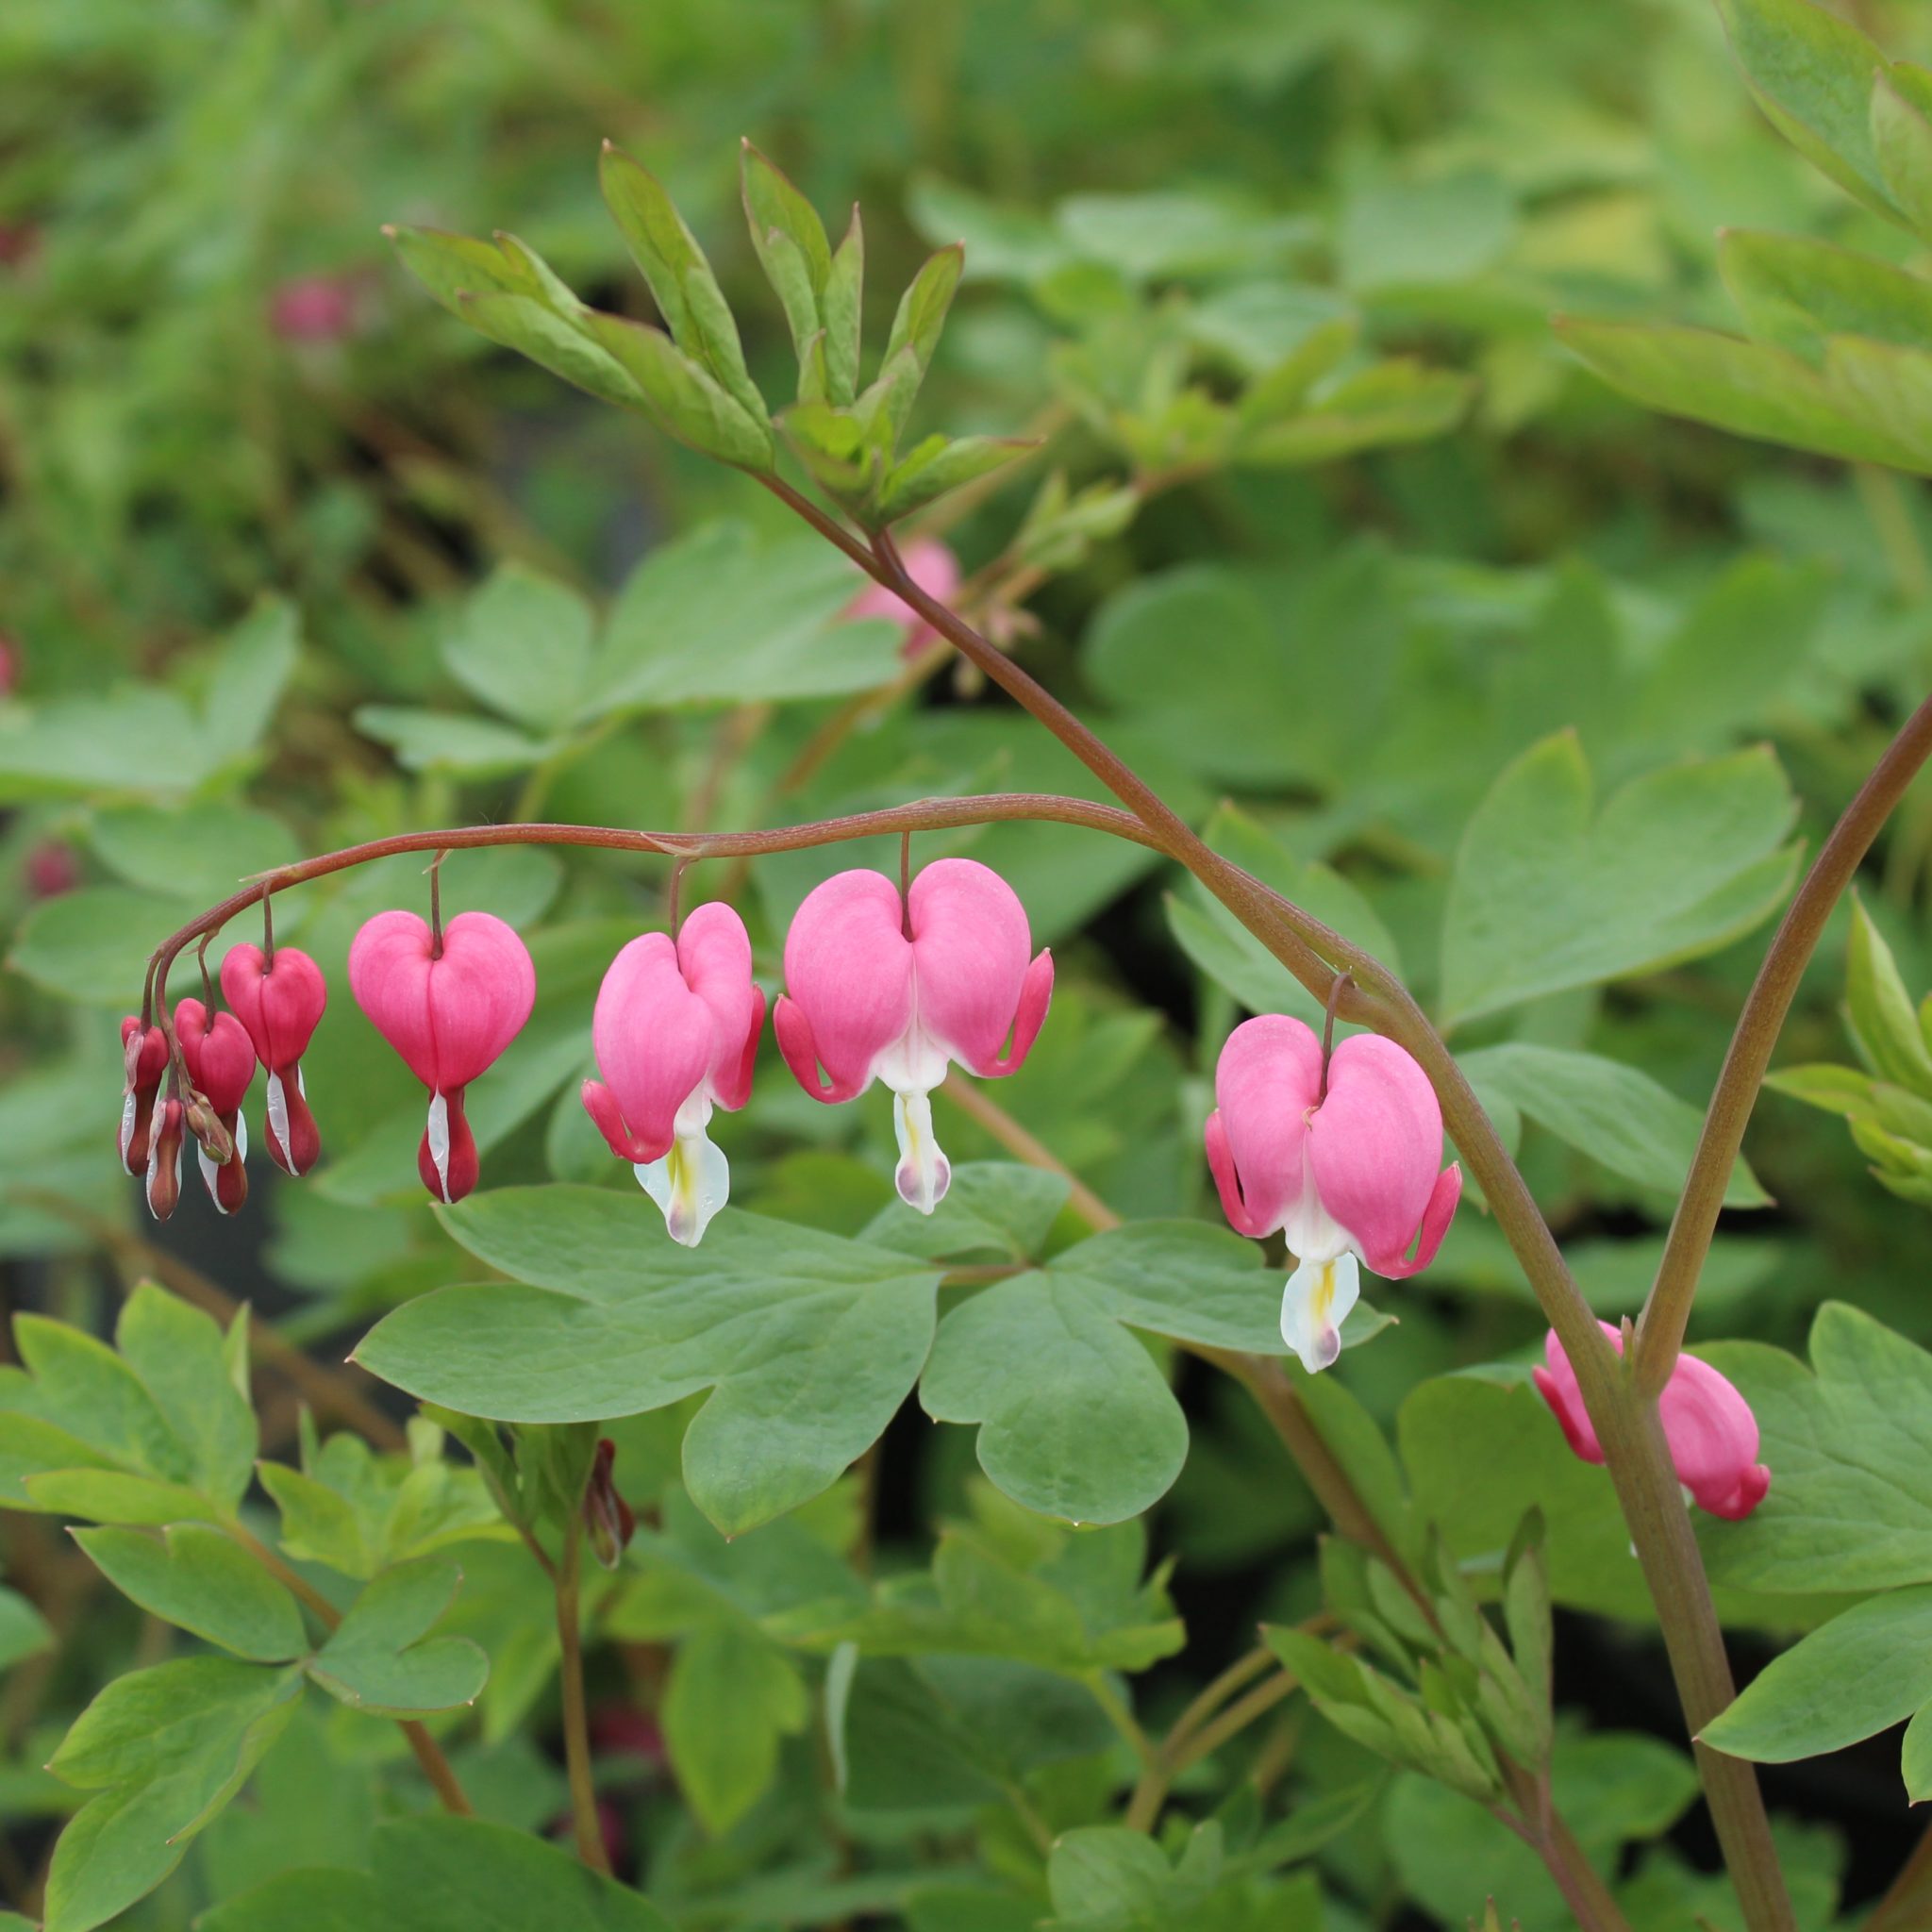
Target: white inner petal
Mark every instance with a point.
(690, 1184)
(128, 1103)
(439, 1140)
(278, 1116)
(1316, 1300)
(1311, 1232)
(924, 1173)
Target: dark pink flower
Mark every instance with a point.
(280, 1001)
(1709, 1425)
(930, 565)
(1346, 1169)
(676, 1031)
(146, 1051)
(450, 1012)
(165, 1143)
(313, 308)
(51, 869)
(220, 1059)
(880, 990)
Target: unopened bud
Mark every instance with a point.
(609, 1517)
(221, 1063)
(144, 1060)
(164, 1161)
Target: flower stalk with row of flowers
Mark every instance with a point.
(1335, 1147)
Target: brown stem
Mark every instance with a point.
(1660, 1328)
(931, 814)
(1314, 954)
(436, 1767)
(1541, 1827)
(1906, 1906)
(577, 1734)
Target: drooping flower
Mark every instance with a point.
(220, 1058)
(1708, 1423)
(676, 1031)
(1341, 1159)
(279, 998)
(313, 308)
(933, 567)
(164, 1158)
(146, 1051)
(878, 989)
(449, 1011)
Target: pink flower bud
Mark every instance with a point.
(676, 1031)
(10, 666)
(609, 1517)
(1709, 1425)
(450, 1014)
(164, 1160)
(221, 1062)
(313, 308)
(930, 565)
(879, 989)
(51, 870)
(1347, 1170)
(145, 1052)
(280, 1002)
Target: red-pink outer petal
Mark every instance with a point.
(970, 942)
(280, 1002)
(450, 1017)
(1265, 1081)
(848, 983)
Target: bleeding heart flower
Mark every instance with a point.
(1709, 1425)
(1342, 1159)
(164, 1159)
(449, 1012)
(879, 989)
(313, 308)
(676, 1031)
(930, 565)
(279, 999)
(220, 1058)
(146, 1051)
(51, 869)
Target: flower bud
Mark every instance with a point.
(220, 1058)
(144, 1053)
(933, 567)
(164, 1160)
(607, 1516)
(51, 870)
(450, 1012)
(279, 1000)
(313, 308)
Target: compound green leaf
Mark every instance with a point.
(381, 1658)
(202, 1579)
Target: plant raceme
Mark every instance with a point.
(1339, 1152)
(1706, 1422)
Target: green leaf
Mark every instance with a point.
(432, 1874)
(1230, 954)
(1377, 408)
(1854, 1676)
(841, 306)
(1075, 1418)
(1108, 1875)
(792, 245)
(938, 465)
(809, 1343)
(522, 644)
(1849, 1445)
(246, 681)
(916, 329)
(183, 1357)
(687, 292)
(1868, 403)
(678, 395)
(86, 945)
(451, 266)
(1796, 291)
(203, 1580)
(1811, 73)
(732, 1695)
(24, 1631)
(450, 743)
(1883, 1019)
(569, 346)
(993, 1208)
(165, 1749)
(1902, 140)
(718, 618)
(1615, 1114)
(199, 853)
(381, 1656)
(1549, 893)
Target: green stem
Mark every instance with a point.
(436, 1767)
(1906, 1906)
(1660, 1329)
(1120, 1718)
(1315, 954)
(576, 1732)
